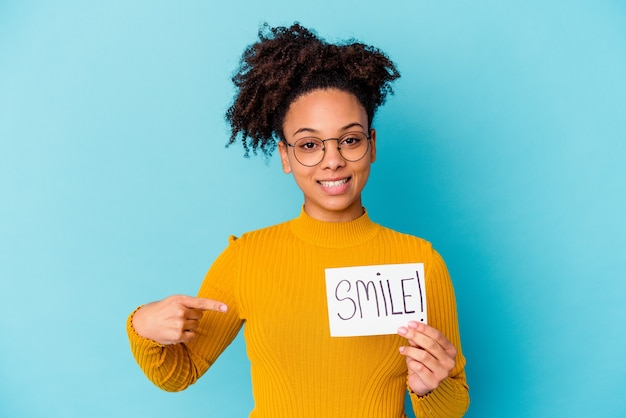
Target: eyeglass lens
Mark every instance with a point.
(309, 151)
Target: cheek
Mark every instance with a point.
(365, 172)
(362, 178)
(304, 182)
(301, 175)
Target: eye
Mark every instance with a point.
(352, 140)
(309, 144)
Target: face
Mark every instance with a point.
(332, 189)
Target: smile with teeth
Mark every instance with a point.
(334, 183)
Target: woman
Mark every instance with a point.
(318, 100)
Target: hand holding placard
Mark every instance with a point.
(430, 357)
(375, 300)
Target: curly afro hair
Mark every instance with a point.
(288, 62)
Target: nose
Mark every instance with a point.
(332, 157)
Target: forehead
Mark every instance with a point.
(324, 110)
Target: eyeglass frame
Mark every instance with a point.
(367, 137)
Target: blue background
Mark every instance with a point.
(504, 146)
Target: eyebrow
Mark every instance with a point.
(315, 131)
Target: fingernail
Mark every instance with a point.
(402, 330)
(402, 349)
(413, 324)
(223, 308)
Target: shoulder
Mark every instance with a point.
(405, 238)
(261, 234)
(412, 245)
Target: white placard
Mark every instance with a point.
(375, 300)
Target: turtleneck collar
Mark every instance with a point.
(334, 234)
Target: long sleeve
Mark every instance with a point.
(175, 367)
(451, 398)
(274, 280)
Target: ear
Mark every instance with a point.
(372, 145)
(284, 157)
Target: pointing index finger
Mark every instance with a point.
(204, 304)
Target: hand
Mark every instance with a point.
(429, 357)
(174, 319)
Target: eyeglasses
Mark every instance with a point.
(310, 151)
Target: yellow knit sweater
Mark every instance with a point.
(273, 282)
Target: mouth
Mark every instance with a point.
(334, 183)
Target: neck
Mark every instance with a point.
(334, 234)
(340, 215)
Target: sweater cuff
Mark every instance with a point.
(137, 342)
(450, 399)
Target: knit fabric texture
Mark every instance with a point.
(273, 282)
